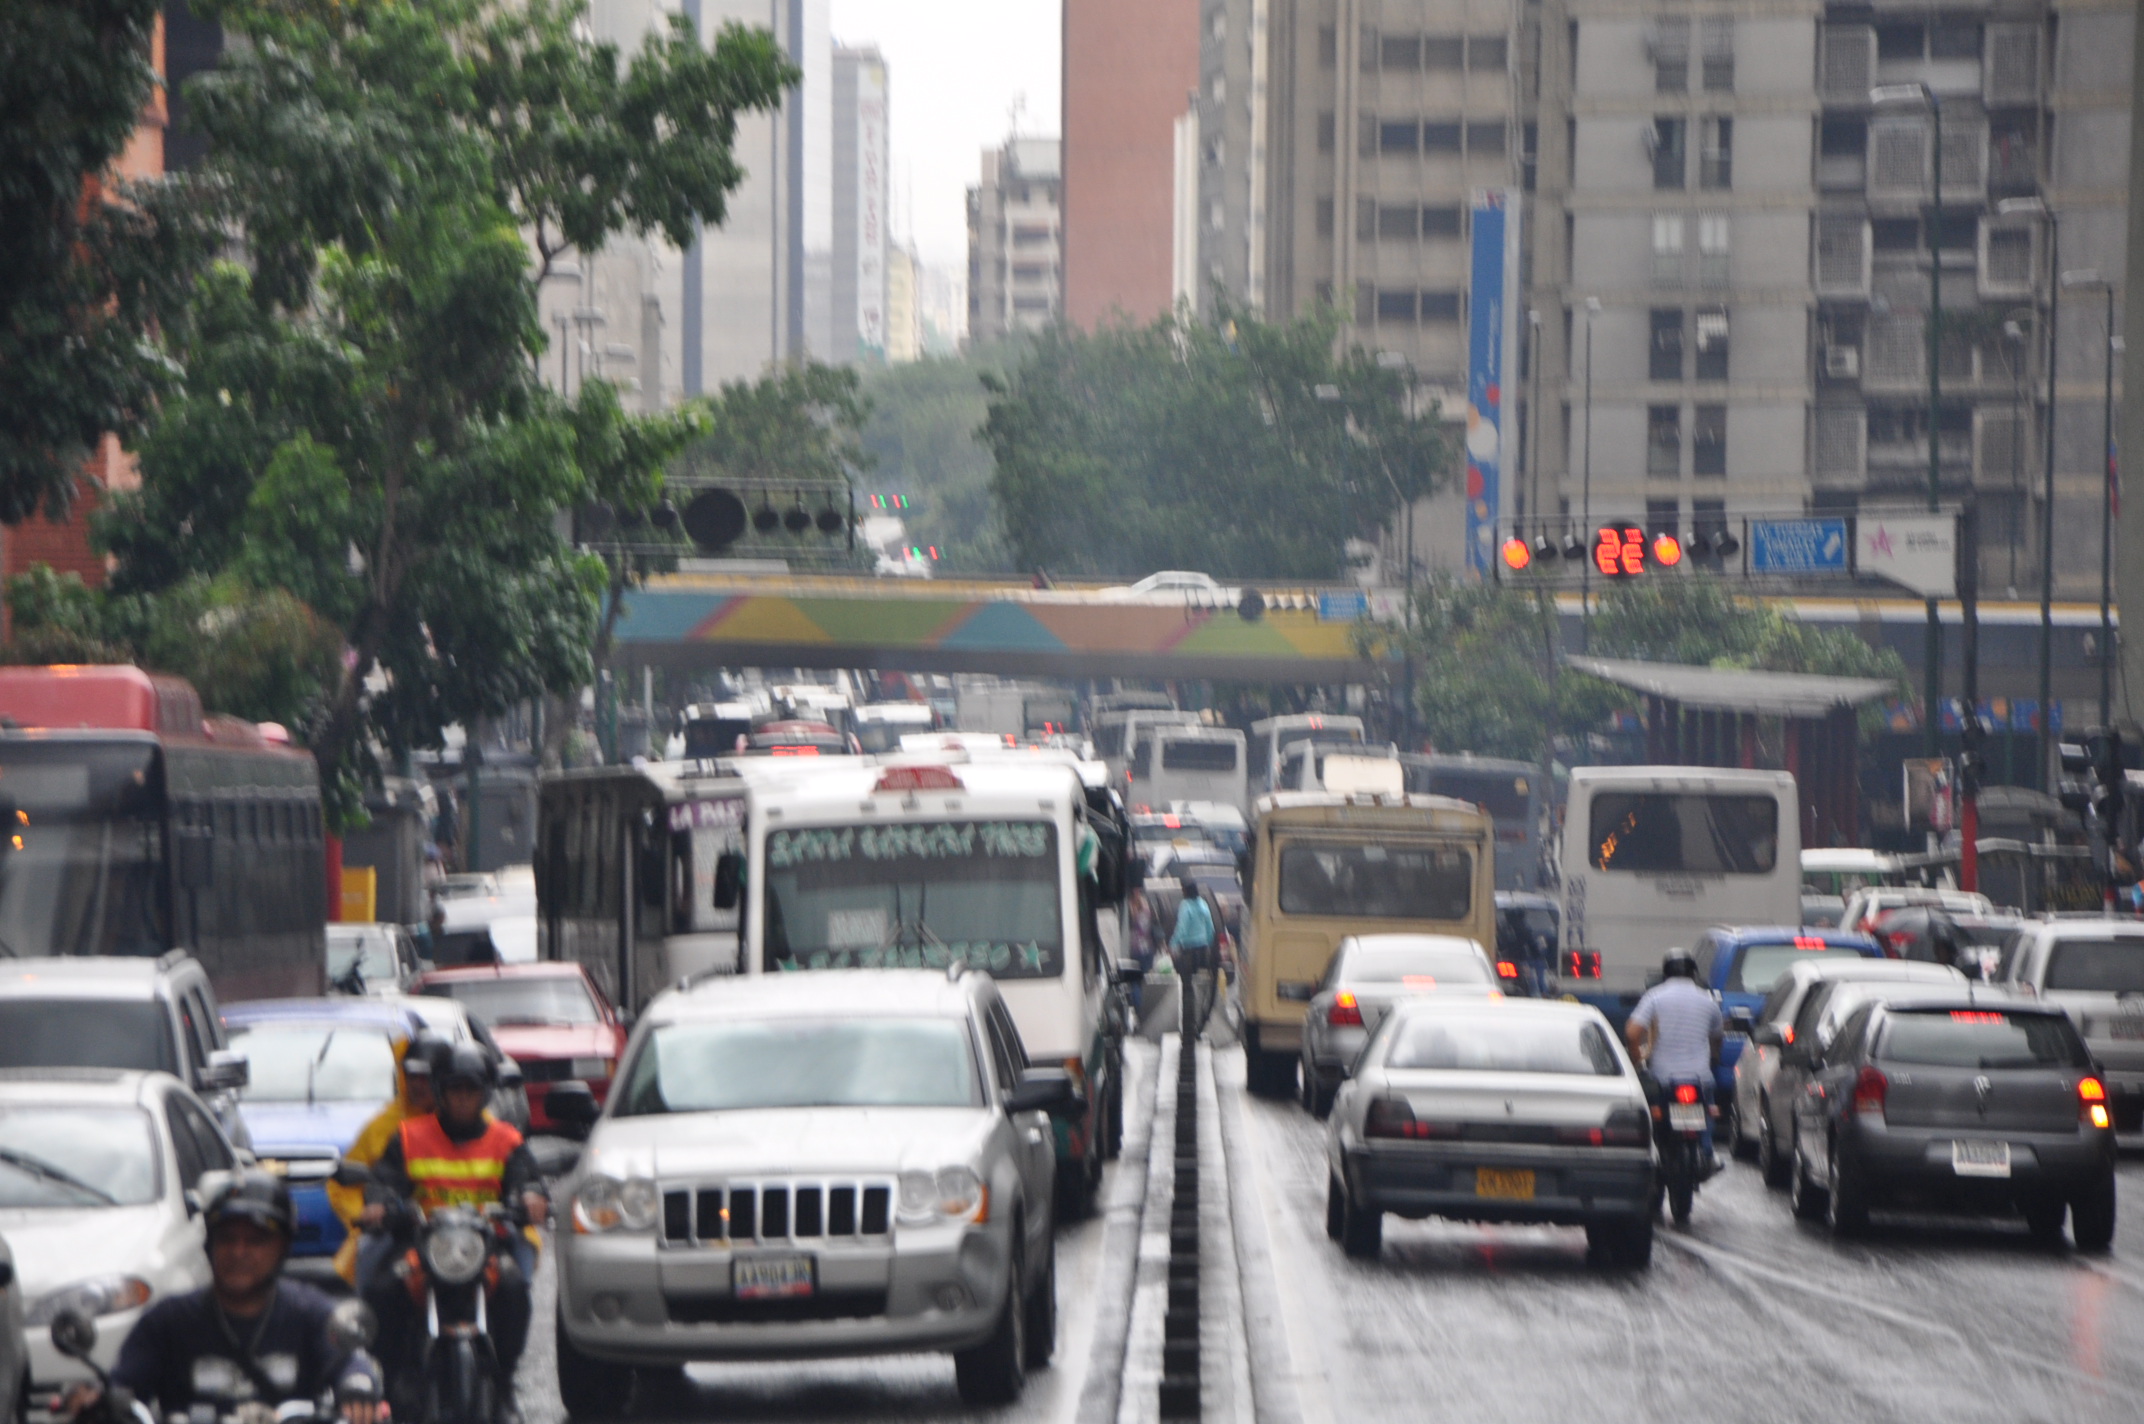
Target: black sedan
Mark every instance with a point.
(1975, 943)
(1975, 1103)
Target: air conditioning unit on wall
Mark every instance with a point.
(1842, 363)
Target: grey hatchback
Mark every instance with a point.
(1973, 1102)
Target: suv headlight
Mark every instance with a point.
(607, 1204)
(949, 1194)
(99, 1295)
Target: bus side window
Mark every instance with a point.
(1090, 930)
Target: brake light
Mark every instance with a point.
(918, 778)
(1392, 1117)
(1582, 964)
(1974, 1016)
(794, 751)
(1786, 1035)
(1686, 1093)
(1505, 969)
(1870, 1089)
(2092, 1102)
(1808, 942)
(1346, 1012)
(1174, 823)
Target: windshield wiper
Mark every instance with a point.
(317, 1060)
(39, 1167)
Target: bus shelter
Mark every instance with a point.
(1799, 722)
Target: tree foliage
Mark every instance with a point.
(924, 440)
(360, 424)
(86, 267)
(1188, 444)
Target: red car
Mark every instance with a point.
(549, 1018)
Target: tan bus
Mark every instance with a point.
(1325, 866)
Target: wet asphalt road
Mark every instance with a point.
(1747, 1316)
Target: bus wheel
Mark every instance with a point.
(1267, 1074)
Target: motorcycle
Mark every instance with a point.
(350, 1328)
(1680, 1116)
(453, 1263)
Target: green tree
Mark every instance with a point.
(1241, 447)
(360, 424)
(85, 270)
(923, 440)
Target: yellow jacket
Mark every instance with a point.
(349, 1202)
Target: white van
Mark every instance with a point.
(1186, 763)
(1653, 856)
(1271, 737)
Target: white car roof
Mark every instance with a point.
(1456, 943)
(80, 1087)
(1839, 966)
(84, 977)
(1481, 1006)
(823, 993)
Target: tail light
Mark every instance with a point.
(1582, 964)
(1686, 1093)
(1786, 1035)
(1870, 1089)
(2092, 1102)
(1896, 942)
(1392, 1117)
(1505, 969)
(1345, 1012)
(1625, 1128)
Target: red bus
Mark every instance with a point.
(130, 824)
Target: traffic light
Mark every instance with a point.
(2074, 787)
(2103, 747)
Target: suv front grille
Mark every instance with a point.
(776, 1211)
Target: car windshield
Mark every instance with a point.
(552, 1000)
(2104, 966)
(371, 950)
(1380, 882)
(1981, 1038)
(86, 1033)
(1760, 965)
(1515, 1044)
(1394, 964)
(307, 1063)
(916, 894)
(856, 1063)
(76, 1156)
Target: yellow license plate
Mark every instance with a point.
(1515, 1185)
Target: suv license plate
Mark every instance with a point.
(1980, 1159)
(1509, 1185)
(773, 1277)
(1686, 1117)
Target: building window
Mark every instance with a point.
(1440, 306)
(1712, 249)
(1719, 55)
(1663, 440)
(1399, 224)
(1708, 441)
(1400, 52)
(1486, 140)
(1670, 140)
(1325, 132)
(1671, 56)
(1395, 306)
(1439, 136)
(1667, 249)
(1446, 52)
(1529, 155)
(1716, 160)
(1712, 344)
(1328, 46)
(1488, 52)
(1030, 236)
(1029, 272)
(1325, 217)
(1399, 137)
(1441, 222)
(1365, 219)
(1664, 362)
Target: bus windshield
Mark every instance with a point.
(1381, 882)
(1684, 832)
(1505, 795)
(915, 894)
(81, 849)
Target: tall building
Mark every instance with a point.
(904, 312)
(1128, 65)
(1016, 257)
(1716, 210)
(860, 195)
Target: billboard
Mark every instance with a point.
(871, 196)
(1492, 338)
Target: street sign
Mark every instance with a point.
(1798, 546)
(1342, 607)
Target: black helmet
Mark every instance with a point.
(1678, 961)
(422, 1055)
(465, 1063)
(252, 1195)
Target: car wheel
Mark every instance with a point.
(2092, 1216)
(1268, 1075)
(1730, 1127)
(1113, 1138)
(1335, 1209)
(1806, 1196)
(2044, 1217)
(1846, 1199)
(1074, 1198)
(995, 1371)
(1620, 1245)
(1306, 1086)
(591, 1388)
(1772, 1164)
(1362, 1229)
(1042, 1313)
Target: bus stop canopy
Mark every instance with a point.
(1762, 694)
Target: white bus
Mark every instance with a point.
(1186, 763)
(925, 862)
(1116, 734)
(1655, 855)
(1271, 738)
(879, 726)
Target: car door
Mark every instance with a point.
(1754, 1069)
(1829, 1086)
(1034, 1143)
(1792, 1076)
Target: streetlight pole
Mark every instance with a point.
(2038, 207)
(2092, 281)
(1585, 569)
(2014, 338)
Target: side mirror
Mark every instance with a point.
(729, 880)
(349, 1173)
(1049, 1090)
(1296, 991)
(352, 1325)
(1766, 1037)
(1743, 1021)
(74, 1334)
(571, 1104)
(226, 1071)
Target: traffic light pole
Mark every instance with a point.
(1972, 736)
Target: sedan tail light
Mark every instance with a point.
(1346, 1012)
(1625, 1128)
(1505, 969)
(1392, 1117)
(2092, 1102)
(1870, 1089)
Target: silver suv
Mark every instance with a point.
(2093, 969)
(846, 1163)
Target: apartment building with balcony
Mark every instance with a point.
(1016, 240)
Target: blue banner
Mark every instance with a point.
(1798, 546)
(1489, 321)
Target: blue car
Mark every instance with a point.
(320, 1069)
(1740, 965)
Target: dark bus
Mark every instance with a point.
(133, 825)
(1510, 791)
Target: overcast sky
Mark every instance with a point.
(955, 68)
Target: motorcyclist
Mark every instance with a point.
(1676, 1031)
(458, 1155)
(420, 1053)
(250, 1338)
